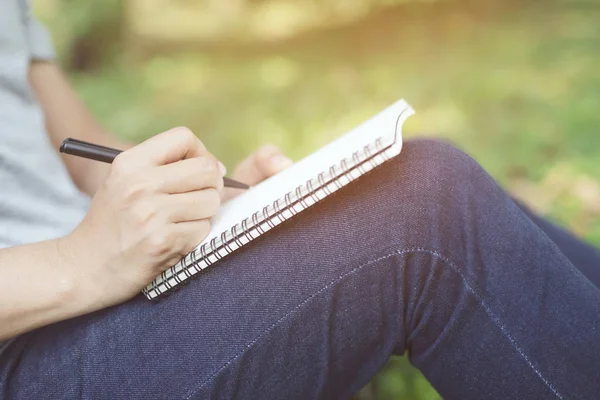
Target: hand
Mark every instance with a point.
(153, 209)
(267, 161)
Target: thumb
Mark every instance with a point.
(265, 162)
(270, 160)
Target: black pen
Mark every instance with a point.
(106, 154)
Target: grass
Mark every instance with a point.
(519, 89)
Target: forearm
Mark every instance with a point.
(37, 287)
(67, 116)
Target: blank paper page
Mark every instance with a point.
(382, 125)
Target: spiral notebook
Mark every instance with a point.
(288, 193)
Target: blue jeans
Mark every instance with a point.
(425, 255)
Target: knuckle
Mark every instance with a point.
(206, 165)
(185, 247)
(178, 249)
(169, 263)
(143, 214)
(136, 191)
(160, 244)
(188, 243)
(119, 163)
(184, 133)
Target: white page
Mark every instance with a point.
(382, 125)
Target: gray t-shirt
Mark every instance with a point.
(38, 200)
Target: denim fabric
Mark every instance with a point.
(425, 255)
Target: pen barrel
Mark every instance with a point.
(82, 149)
(106, 154)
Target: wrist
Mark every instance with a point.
(43, 287)
(75, 291)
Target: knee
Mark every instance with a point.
(431, 147)
(438, 173)
(436, 161)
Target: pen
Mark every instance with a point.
(106, 154)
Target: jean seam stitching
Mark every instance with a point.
(446, 260)
(289, 313)
(496, 320)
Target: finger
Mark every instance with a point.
(247, 172)
(189, 175)
(187, 236)
(192, 234)
(265, 162)
(192, 206)
(270, 160)
(167, 147)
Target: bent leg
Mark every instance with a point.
(582, 255)
(424, 254)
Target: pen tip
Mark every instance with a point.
(240, 186)
(230, 183)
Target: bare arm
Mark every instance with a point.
(67, 116)
(153, 208)
(37, 288)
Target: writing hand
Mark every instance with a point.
(152, 209)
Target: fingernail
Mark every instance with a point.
(280, 161)
(222, 168)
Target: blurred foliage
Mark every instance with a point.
(515, 84)
(85, 33)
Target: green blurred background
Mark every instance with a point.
(514, 83)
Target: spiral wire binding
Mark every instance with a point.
(229, 241)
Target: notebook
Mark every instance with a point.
(281, 197)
